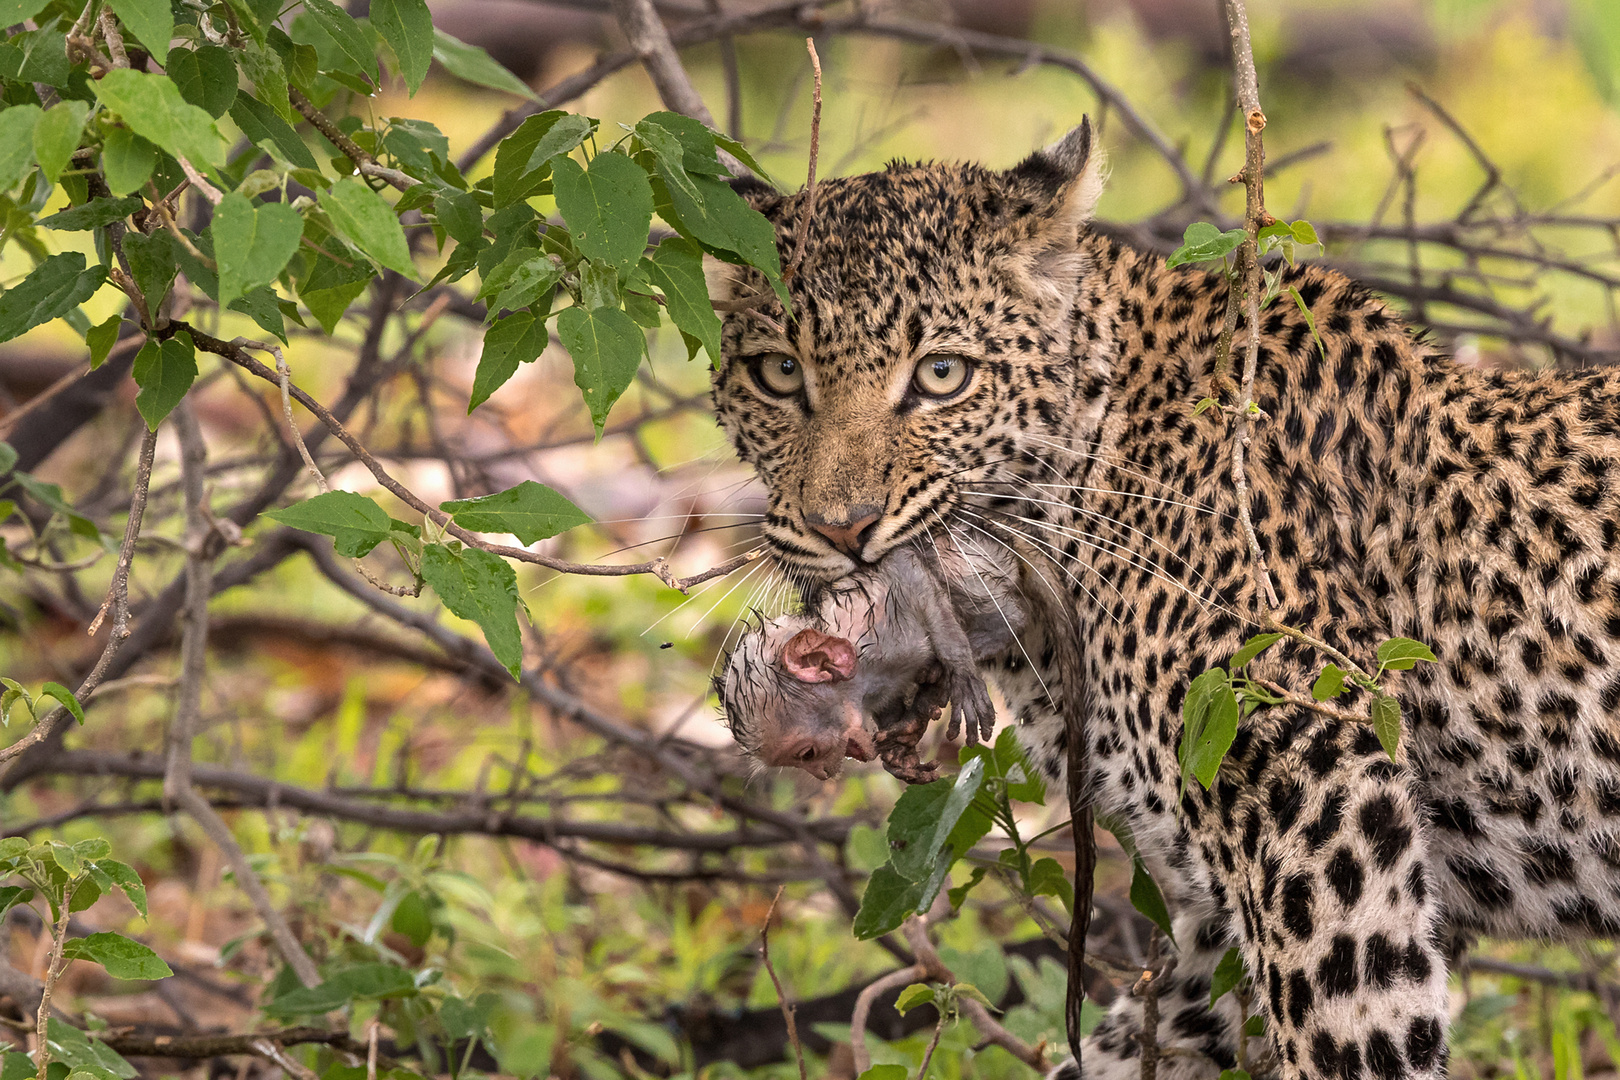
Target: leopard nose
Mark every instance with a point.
(850, 533)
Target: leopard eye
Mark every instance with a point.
(779, 374)
(941, 374)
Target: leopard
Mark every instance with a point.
(966, 354)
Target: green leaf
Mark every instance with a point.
(523, 158)
(150, 21)
(152, 107)
(362, 216)
(608, 207)
(670, 154)
(1203, 242)
(411, 917)
(123, 958)
(514, 339)
(1233, 1074)
(152, 263)
(407, 26)
(530, 281)
(606, 345)
(474, 65)
(76, 1050)
(698, 140)
(262, 65)
(1329, 684)
(725, 223)
(345, 33)
(12, 895)
(1204, 405)
(460, 216)
(1047, 878)
(481, 587)
(355, 523)
(1399, 654)
(43, 55)
(57, 286)
(1386, 718)
(65, 697)
(363, 982)
(599, 285)
(164, 373)
(1304, 232)
(1146, 897)
(206, 77)
(885, 1072)
(268, 129)
(888, 899)
(17, 143)
(92, 215)
(912, 996)
(15, 692)
(56, 136)
(126, 160)
(101, 338)
(124, 877)
(1209, 724)
(1228, 973)
(1253, 648)
(530, 511)
(13, 12)
(50, 496)
(677, 269)
(252, 244)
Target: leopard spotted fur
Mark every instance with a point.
(1394, 492)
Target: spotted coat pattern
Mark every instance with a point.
(1395, 493)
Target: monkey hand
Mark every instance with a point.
(970, 703)
(897, 748)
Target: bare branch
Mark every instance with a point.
(117, 601)
(781, 996)
(177, 778)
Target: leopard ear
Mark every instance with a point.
(1064, 180)
(1053, 194)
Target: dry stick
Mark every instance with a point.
(815, 149)
(1254, 218)
(194, 655)
(894, 980)
(649, 37)
(115, 40)
(274, 1054)
(364, 163)
(916, 933)
(117, 601)
(119, 594)
(1147, 988)
(659, 567)
(284, 375)
(787, 1009)
(53, 971)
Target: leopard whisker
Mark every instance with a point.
(1057, 562)
(1146, 565)
(1078, 583)
(999, 611)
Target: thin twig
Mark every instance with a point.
(781, 996)
(658, 568)
(916, 933)
(53, 972)
(117, 601)
(809, 210)
(177, 785)
(115, 40)
(868, 997)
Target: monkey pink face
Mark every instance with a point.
(826, 725)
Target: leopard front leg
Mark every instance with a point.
(1315, 838)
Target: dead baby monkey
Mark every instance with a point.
(891, 643)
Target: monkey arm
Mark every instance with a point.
(928, 599)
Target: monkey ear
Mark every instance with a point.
(814, 657)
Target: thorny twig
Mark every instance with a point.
(787, 1009)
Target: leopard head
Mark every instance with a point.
(927, 342)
